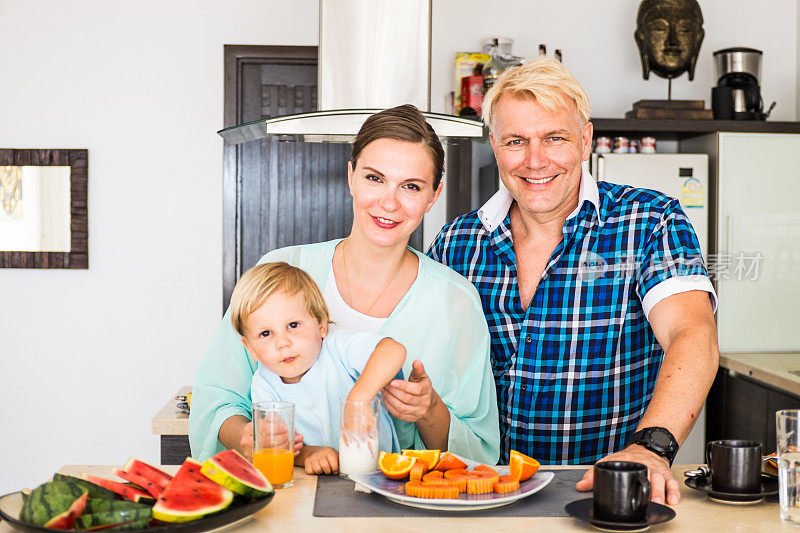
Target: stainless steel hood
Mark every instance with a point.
(373, 54)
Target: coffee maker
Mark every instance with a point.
(737, 95)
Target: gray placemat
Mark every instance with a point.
(335, 497)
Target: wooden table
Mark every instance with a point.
(291, 512)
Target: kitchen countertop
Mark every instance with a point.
(292, 508)
(169, 420)
(773, 369)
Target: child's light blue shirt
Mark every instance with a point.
(316, 396)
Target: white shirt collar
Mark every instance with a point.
(494, 211)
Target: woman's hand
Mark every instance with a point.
(411, 400)
(416, 401)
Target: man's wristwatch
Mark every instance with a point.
(658, 440)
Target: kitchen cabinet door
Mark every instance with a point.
(758, 242)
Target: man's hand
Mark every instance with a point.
(411, 400)
(323, 461)
(658, 471)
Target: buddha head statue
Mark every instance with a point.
(669, 34)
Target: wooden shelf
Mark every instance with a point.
(689, 128)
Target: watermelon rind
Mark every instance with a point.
(49, 500)
(66, 520)
(108, 518)
(96, 505)
(232, 471)
(95, 491)
(191, 495)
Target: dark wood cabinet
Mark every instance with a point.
(741, 408)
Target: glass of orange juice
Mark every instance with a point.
(273, 441)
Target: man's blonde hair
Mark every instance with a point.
(545, 80)
(258, 283)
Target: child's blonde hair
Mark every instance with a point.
(545, 80)
(261, 281)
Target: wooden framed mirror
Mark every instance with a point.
(44, 220)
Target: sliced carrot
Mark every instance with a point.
(429, 457)
(418, 470)
(458, 477)
(448, 461)
(521, 466)
(433, 475)
(435, 490)
(506, 484)
(484, 468)
(478, 481)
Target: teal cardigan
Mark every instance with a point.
(440, 321)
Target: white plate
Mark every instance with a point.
(393, 490)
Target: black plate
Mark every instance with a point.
(656, 514)
(240, 509)
(769, 487)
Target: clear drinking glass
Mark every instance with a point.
(358, 436)
(273, 441)
(788, 424)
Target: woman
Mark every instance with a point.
(372, 281)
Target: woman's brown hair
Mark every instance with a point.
(402, 123)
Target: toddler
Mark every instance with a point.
(283, 321)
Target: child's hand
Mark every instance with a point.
(323, 461)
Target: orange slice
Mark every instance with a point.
(431, 489)
(448, 461)
(429, 457)
(521, 466)
(418, 470)
(506, 484)
(433, 475)
(394, 465)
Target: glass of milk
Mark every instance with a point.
(358, 436)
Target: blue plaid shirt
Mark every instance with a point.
(576, 370)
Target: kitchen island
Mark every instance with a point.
(292, 508)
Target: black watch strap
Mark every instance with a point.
(658, 440)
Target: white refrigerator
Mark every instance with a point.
(681, 176)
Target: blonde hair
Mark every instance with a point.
(258, 283)
(545, 80)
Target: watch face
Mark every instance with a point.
(661, 439)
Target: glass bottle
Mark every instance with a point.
(492, 68)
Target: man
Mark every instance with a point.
(586, 288)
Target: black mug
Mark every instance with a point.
(621, 491)
(735, 465)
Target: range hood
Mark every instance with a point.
(373, 54)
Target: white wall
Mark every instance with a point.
(87, 357)
(596, 39)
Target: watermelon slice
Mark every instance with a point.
(66, 520)
(190, 495)
(54, 504)
(143, 482)
(126, 491)
(232, 471)
(151, 473)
